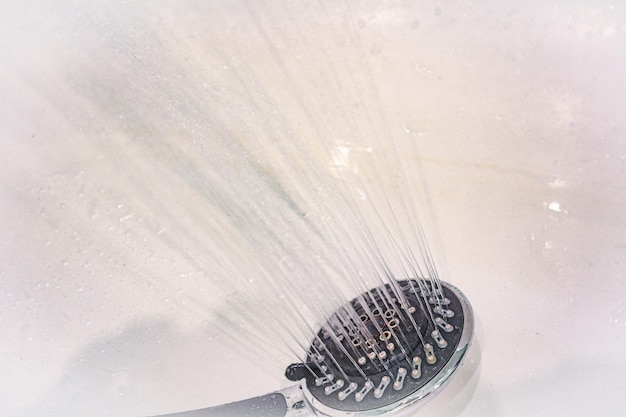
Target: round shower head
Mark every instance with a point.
(391, 348)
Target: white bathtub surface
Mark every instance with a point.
(124, 126)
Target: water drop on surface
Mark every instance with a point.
(554, 206)
(557, 183)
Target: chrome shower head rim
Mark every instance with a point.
(423, 394)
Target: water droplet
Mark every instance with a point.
(554, 206)
(557, 183)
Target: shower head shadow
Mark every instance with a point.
(385, 353)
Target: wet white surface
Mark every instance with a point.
(115, 118)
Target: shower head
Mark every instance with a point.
(387, 349)
(385, 353)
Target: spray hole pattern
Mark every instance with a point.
(388, 336)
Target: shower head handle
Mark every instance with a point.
(289, 402)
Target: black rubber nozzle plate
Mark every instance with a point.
(376, 369)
